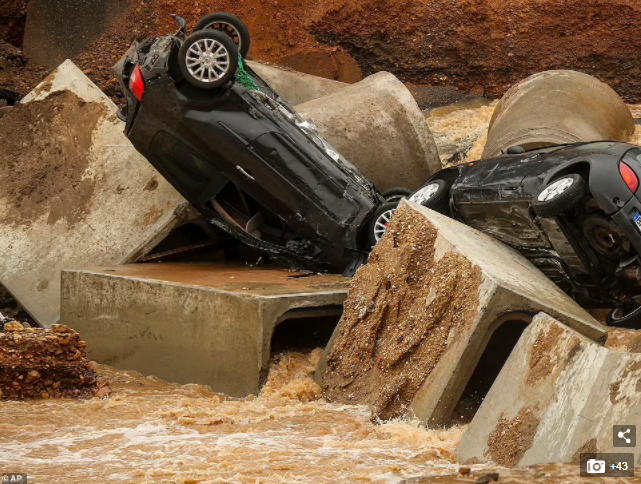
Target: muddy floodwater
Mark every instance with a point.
(151, 431)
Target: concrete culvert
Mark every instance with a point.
(555, 107)
(377, 125)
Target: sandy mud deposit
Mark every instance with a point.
(44, 363)
(387, 344)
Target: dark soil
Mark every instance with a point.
(402, 313)
(43, 161)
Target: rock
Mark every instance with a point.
(60, 328)
(408, 356)
(13, 326)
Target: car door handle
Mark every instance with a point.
(245, 173)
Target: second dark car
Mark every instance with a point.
(574, 211)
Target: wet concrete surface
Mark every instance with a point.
(232, 277)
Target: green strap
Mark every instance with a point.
(245, 80)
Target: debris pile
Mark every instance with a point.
(44, 363)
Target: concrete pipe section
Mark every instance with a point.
(377, 125)
(295, 87)
(555, 107)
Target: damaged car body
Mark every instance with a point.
(243, 157)
(574, 211)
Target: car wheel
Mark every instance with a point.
(434, 195)
(559, 195)
(208, 59)
(230, 25)
(397, 194)
(379, 221)
(627, 317)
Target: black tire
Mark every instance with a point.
(564, 200)
(221, 21)
(438, 200)
(221, 40)
(628, 318)
(396, 194)
(374, 234)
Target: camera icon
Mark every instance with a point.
(595, 466)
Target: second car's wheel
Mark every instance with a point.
(397, 194)
(629, 318)
(434, 195)
(230, 25)
(379, 222)
(208, 59)
(559, 195)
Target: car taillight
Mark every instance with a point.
(629, 177)
(137, 83)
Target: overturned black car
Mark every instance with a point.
(573, 210)
(239, 154)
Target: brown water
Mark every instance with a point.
(149, 431)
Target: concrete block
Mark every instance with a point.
(421, 312)
(377, 125)
(558, 395)
(556, 107)
(208, 324)
(295, 87)
(75, 191)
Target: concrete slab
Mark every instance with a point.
(556, 107)
(295, 87)
(75, 191)
(377, 125)
(208, 324)
(558, 395)
(420, 314)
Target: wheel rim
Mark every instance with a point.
(423, 195)
(207, 60)
(555, 189)
(381, 224)
(228, 29)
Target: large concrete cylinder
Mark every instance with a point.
(377, 125)
(295, 87)
(556, 107)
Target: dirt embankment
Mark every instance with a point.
(476, 46)
(485, 46)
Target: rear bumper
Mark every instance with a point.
(623, 218)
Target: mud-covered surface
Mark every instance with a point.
(626, 340)
(511, 439)
(44, 363)
(13, 15)
(44, 159)
(403, 311)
